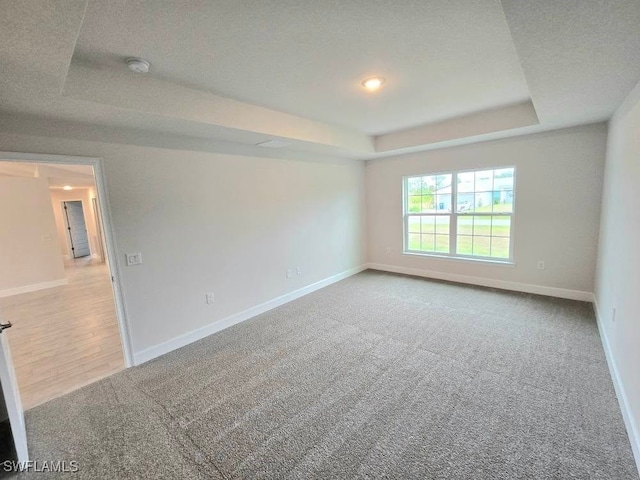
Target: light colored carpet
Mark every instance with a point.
(377, 376)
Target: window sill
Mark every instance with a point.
(505, 263)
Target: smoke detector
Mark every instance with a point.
(138, 65)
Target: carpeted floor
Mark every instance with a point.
(377, 376)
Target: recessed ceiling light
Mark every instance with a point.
(67, 187)
(138, 65)
(372, 84)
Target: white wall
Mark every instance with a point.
(29, 247)
(618, 273)
(558, 192)
(220, 223)
(84, 195)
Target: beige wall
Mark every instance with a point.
(29, 246)
(557, 207)
(84, 195)
(618, 274)
(227, 224)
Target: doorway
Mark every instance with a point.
(68, 331)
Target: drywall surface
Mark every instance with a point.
(29, 247)
(83, 195)
(209, 222)
(618, 273)
(557, 208)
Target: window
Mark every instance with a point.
(460, 214)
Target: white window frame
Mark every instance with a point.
(453, 218)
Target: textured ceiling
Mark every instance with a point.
(441, 58)
(230, 74)
(581, 57)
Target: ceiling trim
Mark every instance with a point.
(488, 121)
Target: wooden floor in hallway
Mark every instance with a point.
(64, 337)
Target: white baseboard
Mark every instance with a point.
(627, 414)
(32, 288)
(487, 282)
(190, 337)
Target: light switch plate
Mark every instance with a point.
(134, 259)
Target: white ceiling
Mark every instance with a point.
(441, 58)
(243, 72)
(581, 58)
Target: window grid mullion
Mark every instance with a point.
(454, 216)
(491, 227)
(453, 219)
(473, 230)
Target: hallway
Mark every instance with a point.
(65, 337)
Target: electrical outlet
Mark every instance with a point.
(289, 273)
(541, 265)
(134, 259)
(389, 250)
(299, 270)
(210, 298)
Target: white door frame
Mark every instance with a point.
(110, 244)
(97, 219)
(12, 401)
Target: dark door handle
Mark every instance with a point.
(4, 326)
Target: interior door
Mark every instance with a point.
(77, 229)
(99, 239)
(11, 398)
